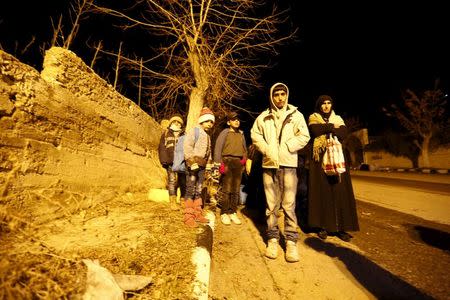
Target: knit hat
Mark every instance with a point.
(206, 115)
(176, 117)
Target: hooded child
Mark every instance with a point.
(279, 133)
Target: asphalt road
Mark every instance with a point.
(422, 195)
(431, 187)
(415, 176)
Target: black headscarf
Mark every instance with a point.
(319, 102)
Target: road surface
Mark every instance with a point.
(377, 264)
(423, 195)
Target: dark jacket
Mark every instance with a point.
(240, 148)
(166, 147)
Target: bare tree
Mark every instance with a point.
(78, 10)
(211, 51)
(422, 115)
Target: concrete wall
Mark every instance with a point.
(68, 140)
(439, 159)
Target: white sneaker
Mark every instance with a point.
(235, 219)
(225, 219)
(291, 251)
(272, 248)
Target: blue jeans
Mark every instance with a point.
(194, 182)
(176, 180)
(280, 187)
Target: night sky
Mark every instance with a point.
(363, 55)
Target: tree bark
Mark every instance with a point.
(425, 151)
(195, 105)
(198, 92)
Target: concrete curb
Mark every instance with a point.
(201, 255)
(201, 258)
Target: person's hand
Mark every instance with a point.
(194, 167)
(222, 169)
(243, 161)
(248, 166)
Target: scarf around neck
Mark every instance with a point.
(320, 141)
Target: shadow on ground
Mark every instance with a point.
(378, 281)
(258, 217)
(433, 237)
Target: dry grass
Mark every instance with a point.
(144, 238)
(30, 270)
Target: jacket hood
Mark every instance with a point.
(272, 105)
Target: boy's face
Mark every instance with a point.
(279, 98)
(234, 123)
(207, 125)
(326, 106)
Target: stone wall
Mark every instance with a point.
(68, 140)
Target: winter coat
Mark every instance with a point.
(279, 133)
(331, 202)
(197, 152)
(167, 146)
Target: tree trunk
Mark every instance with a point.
(425, 151)
(195, 105)
(197, 96)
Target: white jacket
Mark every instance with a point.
(279, 139)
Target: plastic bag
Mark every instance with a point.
(333, 159)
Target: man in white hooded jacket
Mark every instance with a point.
(279, 133)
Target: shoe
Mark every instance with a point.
(291, 252)
(344, 236)
(272, 249)
(225, 219)
(189, 216)
(322, 234)
(234, 218)
(173, 202)
(199, 217)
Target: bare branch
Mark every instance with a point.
(33, 39)
(118, 65)
(97, 49)
(211, 51)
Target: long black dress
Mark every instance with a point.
(331, 202)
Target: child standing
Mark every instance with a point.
(230, 152)
(166, 152)
(197, 153)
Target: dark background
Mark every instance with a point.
(362, 54)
